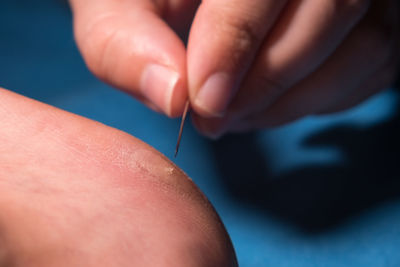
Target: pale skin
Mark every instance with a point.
(248, 64)
(74, 192)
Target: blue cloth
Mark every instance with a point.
(319, 192)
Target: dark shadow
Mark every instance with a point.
(316, 198)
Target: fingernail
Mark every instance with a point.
(214, 96)
(158, 84)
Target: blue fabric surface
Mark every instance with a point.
(319, 192)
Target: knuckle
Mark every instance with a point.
(243, 36)
(242, 31)
(94, 42)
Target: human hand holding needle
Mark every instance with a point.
(248, 64)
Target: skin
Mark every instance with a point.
(275, 61)
(74, 192)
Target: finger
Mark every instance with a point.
(305, 36)
(224, 39)
(179, 14)
(128, 45)
(381, 80)
(363, 54)
(212, 128)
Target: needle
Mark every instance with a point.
(185, 112)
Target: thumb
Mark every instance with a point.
(223, 42)
(127, 44)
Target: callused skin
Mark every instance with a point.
(74, 192)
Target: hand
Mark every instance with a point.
(131, 44)
(250, 64)
(271, 62)
(74, 192)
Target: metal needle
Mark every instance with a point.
(185, 112)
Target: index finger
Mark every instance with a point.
(224, 39)
(129, 45)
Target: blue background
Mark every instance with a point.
(319, 192)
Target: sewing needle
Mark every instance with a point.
(185, 112)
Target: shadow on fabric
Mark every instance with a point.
(316, 198)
